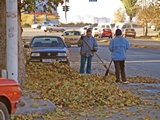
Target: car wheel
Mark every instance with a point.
(4, 115)
(39, 27)
(134, 36)
(50, 30)
(62, 30)
(45, 30)
(27, 59)
(68, 62)
(111, 37)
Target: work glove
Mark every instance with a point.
(82, 37)
(93, 50)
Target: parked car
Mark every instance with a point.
(39, 25)
(83, 30)
(105, 33)
(104, 26)
(95, 32)
(53, 28)
(10, 94)
(71, 37)
(47, 49)
(121, 26)
(128, 32)
(155, 27)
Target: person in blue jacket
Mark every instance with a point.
(86, 52)
(118, 47)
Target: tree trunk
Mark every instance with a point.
(21, 66)
(2, 35)
(130, 21)
(146, 29)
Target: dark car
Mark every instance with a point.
(128, 32)
(47, 49)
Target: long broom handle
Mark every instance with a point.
(95, 53)
(108, 68)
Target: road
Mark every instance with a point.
(140, 61)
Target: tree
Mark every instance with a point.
(131, 8)
(21, 6)
(120, 15)
(156, 12)
(2, 35)
(149, 13)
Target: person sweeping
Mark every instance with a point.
(118, 47)
(86, 52)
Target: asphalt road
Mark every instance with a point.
(140, 61)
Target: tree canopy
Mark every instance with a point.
(120, 15)
(150, 13)
(130, 7)
(30, 5)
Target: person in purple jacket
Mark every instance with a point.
(118, 47)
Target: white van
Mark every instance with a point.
(121, 26)
(104, 25)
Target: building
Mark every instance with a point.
(102, 20)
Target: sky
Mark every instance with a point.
(83, 10)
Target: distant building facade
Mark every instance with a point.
(102, 20)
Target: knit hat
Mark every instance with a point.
(118, 32)
(89, 30)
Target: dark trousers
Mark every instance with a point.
(120, 69)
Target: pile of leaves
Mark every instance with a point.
(66, 87)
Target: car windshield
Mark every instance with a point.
(107, 26)
(106, 29)
(130, 30)
(47, 42)
(67, 33)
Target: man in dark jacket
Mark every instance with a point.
(118, 47)
(86, 52)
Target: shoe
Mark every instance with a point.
(117, 81)
(125, 82)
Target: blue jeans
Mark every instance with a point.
(89, 64)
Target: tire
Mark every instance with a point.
(27, 59)
(134, 36)
(4, 115)
(39, 27)
(45, 30)
(62, 30)
(50, 30)
(111, 37)
(68, 62)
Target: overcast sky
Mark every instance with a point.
(82, 9)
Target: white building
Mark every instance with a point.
(102, 20)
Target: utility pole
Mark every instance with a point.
(12, 39)
(45, 16)
(35, 17)
(65, 12)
